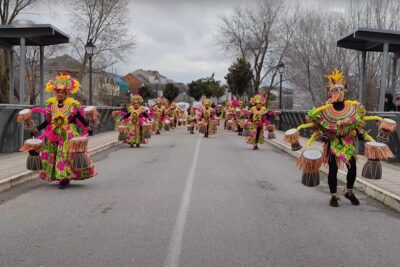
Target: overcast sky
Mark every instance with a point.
(175, 37)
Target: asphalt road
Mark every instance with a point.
(184, 200)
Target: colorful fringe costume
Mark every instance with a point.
(61, 118)
(257, 118)
(206, 119)
(136, 117)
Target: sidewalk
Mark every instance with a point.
(386, 190)
(13, 166)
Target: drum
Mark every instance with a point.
(25, 116)
(167, 125)
(229, 125)
(78, 147)
(123, 131)
(202, 127)
(33, 146)
(146, 130)
(309, 162)
(91, 115)
(292, 137)
(115, 114)
(375, 152)
(385, 128)
(271, 128)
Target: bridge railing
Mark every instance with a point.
(291, 119)
(12, 133)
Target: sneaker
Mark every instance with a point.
(350, 196)
(334, 202)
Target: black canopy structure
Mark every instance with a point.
(374, 40)
(23, 35)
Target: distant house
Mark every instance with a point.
(133, 82)
(104, 87)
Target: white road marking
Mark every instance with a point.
(175, 245)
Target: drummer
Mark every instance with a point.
(339, 122)
(61, 118)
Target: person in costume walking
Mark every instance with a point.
(191, 119)
(338, 123)
(159, 115)
(136, 117)
(257, 117)
(62, 114)
(206, 118)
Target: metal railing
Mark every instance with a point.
(12, 133)
(291, 119)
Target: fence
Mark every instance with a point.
(291, 119)
(12, 133)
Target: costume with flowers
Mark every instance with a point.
(191, 119)
(174, 114)
(258, 117)
(228, 113)
(207, 118)
(338, 123)
(159, 114)
(135, 118)
(240, 117)
(61, 119)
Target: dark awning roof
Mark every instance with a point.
(34, 34)
(366, 39)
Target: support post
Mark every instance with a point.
(384, 76)
(394, 75)
(12, 77)
(22, 72)
(362, 77)
(41, 82)
(280, 91)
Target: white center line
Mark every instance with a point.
(175, 245)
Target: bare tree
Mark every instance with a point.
(9, 11)
(106, 23)
(250, 32)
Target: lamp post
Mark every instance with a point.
(281, 69)
(89, 47)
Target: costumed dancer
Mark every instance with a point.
(206, 118)
(191, 119)
(338, 123)
(159, 115)
(63, 156)
(174, 114)
(257, 117)
(240, 116)
(229, 113)
(136, 117)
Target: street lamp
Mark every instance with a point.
(89, 47)
(281, 69)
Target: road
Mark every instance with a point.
(184, 200)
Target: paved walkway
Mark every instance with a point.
(390, 172)
(15, 163)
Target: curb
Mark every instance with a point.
(387, 198)
(26, 176)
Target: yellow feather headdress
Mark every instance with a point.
(335, 79)
(137, 99)
(63, 81)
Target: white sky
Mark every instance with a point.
(175, 37)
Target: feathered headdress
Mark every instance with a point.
(258, 99)
(335, 79)
(206, 101)
(136, 99)
(64, 82)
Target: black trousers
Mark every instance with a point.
(333, 170)
(257, 135)
(206, 133)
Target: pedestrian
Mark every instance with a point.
(397, 103)
(389, 106)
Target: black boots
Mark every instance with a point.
(334, 201)
(63, 183)
(350, 196)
